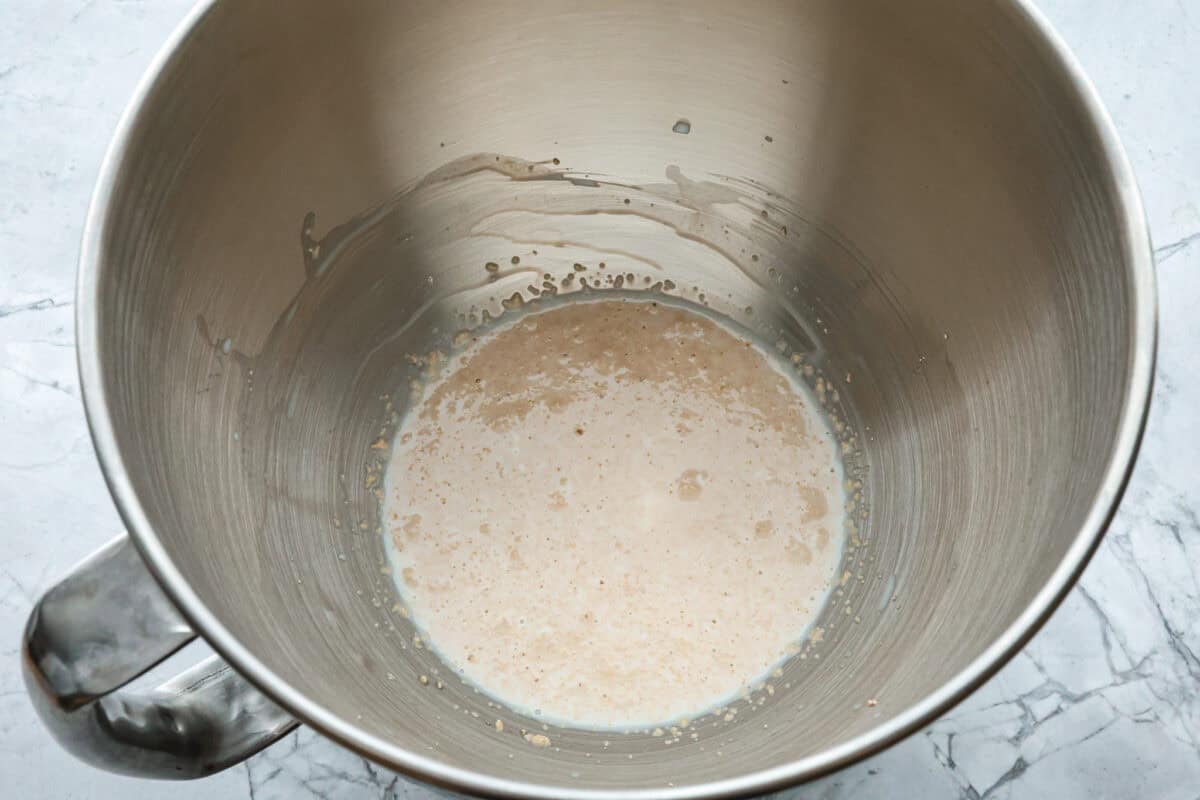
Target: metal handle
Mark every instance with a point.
(104, 625)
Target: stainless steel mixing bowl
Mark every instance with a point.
(923, 202)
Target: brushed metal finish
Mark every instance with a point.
(924, 199)
(107, 623)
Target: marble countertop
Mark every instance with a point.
(1104, 703)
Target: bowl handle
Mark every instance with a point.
(104, 625)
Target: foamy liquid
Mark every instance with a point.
(614, 513)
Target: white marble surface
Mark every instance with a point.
(1105, 703)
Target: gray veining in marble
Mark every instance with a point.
(1104, 703)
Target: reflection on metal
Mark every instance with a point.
(106, 624)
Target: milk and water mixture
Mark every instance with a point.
(614, 513)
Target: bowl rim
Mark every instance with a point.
(1139, 261)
